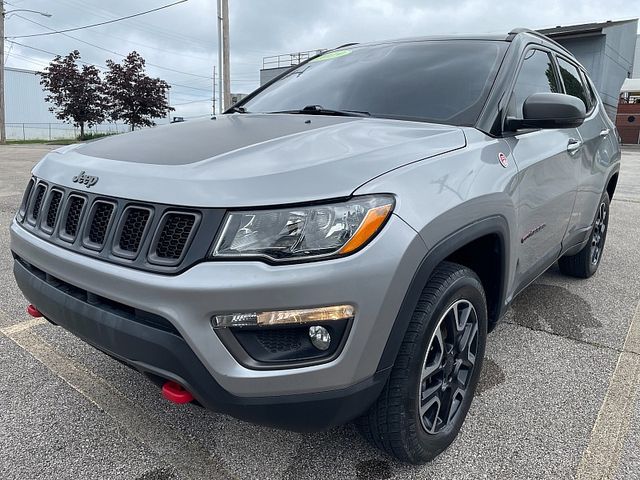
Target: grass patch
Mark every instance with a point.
(41, 142)
(93, 136)
(64, 141)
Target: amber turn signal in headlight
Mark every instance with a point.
(305, 232)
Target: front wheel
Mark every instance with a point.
(585, 263)
(432, 382)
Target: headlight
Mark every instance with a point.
(304, 232)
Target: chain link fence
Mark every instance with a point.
(58, 131)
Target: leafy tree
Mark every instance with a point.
(134, 97)
(76, 94)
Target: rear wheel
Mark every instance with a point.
(585, 263)
(432, 382)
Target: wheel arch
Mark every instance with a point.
(612, 183)
(489, 233)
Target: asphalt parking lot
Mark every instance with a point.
(559, 396)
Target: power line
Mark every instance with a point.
(112, 51)
(101, 67)
(101, 23)
(193, 101)
(156, 30)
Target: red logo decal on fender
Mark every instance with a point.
(502, 158)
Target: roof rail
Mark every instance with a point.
(535, 33)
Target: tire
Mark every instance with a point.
(585, 263)
(395, 423)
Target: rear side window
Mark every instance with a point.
(573, 83)
(536, 76)
(593, 100)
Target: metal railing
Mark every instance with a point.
(57, 131)
(289, 59)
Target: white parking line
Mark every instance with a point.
(602, 455)
(20, 326)
(190, 459)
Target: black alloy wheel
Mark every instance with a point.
(448, 366)
(598, 235)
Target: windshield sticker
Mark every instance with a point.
(332, 55)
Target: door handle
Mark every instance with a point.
(574, 145)
(605, 132)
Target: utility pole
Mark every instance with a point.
(214, 89)
(3, 133)
(220, 54)
(223, 55)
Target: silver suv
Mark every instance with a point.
(337, 245)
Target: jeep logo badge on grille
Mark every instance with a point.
(88, 180)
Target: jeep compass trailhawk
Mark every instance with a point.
(336, 246)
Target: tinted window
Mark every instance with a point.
(591, 96)
(536, 76)
(439, 81)
(572, 82)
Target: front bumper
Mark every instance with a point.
(374, 280)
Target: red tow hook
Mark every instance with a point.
(174, 392)
(33, 311)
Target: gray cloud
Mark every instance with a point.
(183, 38)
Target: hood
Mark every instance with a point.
(249, 159)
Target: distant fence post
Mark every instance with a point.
(49, 132)
(24, 135)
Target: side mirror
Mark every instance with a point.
(549, 110)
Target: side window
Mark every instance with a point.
(593, 99)
(536, 76)
(572, 82)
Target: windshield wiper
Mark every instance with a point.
(320, 110)
(236, 109)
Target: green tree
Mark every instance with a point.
(76, 93)
(134, 97)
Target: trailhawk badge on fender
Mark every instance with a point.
(88, 180)
(503, 160)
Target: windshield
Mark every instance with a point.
(436, 81)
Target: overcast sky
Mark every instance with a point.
(182, 39)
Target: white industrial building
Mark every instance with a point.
(27, 113)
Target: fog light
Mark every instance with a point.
(284, 317)
(320, 337)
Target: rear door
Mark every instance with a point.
(547, 161)
(595, 152)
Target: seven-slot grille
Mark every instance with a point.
(100, 221)
(133, 225)
(37, 201)
(72, 220)
(173, 235)
(147, 236)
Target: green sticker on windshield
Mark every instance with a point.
(332, 55)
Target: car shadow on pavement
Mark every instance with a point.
(553, 309)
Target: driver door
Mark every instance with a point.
(548, 164)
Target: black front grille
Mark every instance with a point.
(74, 213)
(174, 235)
(54, 207)
(154, 237)
(37, 203)
(100, 220)
(25, 199)
(134, 224)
